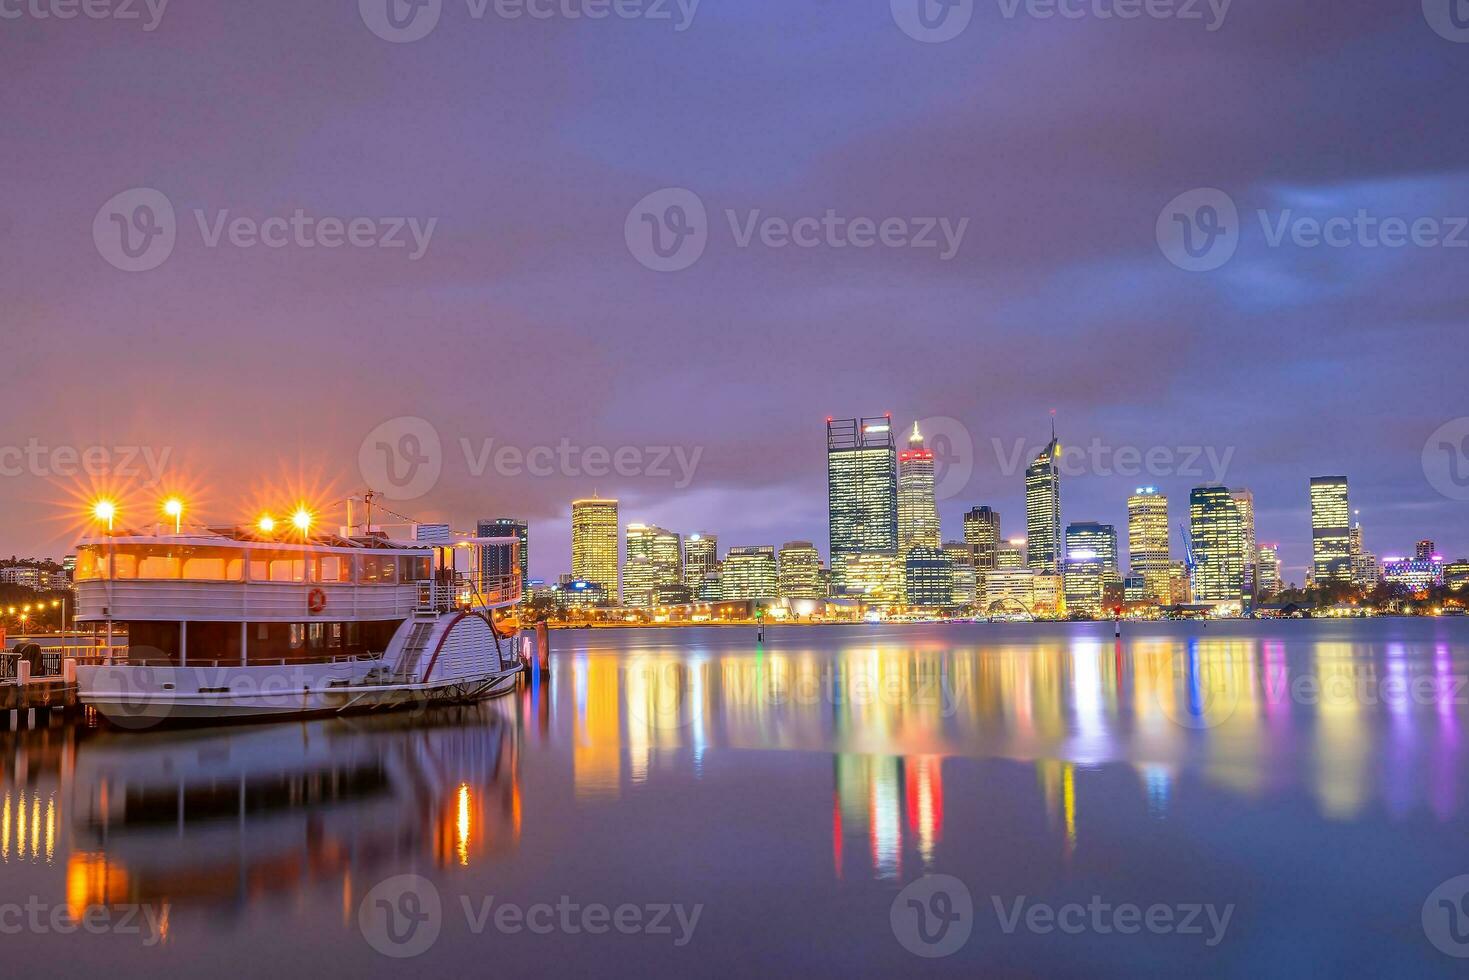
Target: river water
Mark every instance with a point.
(1262, 799)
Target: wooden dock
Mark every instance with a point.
(41, 692)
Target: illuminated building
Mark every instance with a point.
(1043, 509)
(575, 593)
(800, 571)
(1049, 593)
(751, 573)
(1180, 584)
(1364, 562)
(700, 556)
(966, 585)
(1218, 546)
(494, 560)
(928, 577)
(663, 548)
(1415, 573)
(875, 579)
(862, 490)
(1267, 566)
(1009, 590)
(1331, 556)
(1425, 549)
(1147, 541)
(1011, 554)
(1456, 574)
(1082, 581)
(639, 581)
(918, 515)
(712, 588)
(982, 535)
(1135, 589)
(672, 595)
(1099, 540)
(594, 543)
(1244, 502)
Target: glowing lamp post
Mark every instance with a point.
(105, 511)
(174, 507)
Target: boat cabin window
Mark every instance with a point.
(162, 563)
(417, 569)
(333, 568)
(280, 566)
(379, 570)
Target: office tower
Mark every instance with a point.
(662, 547)
(639, 581)
(712, 588)
(1425, 549)
(751, 573)
(1267, 577)
(1011, 554)
(1090, 539)
(1415, 573)
(1364, 562)
(433, 533)
(1009, 590)
(875, 579)
(862, 490)
(594, 543)
(1244, 502)
(966, 583)
(1147, 541)
(1331, 557)
(700, 555)
(495, 558)
(1043, 509)
(800, 571)
(928, 577)
(1082, 581)
(982, 535)
(1456, 574)
(1180, 584)
(1218, 545)
(918, 514)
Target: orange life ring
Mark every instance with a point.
(316, 601)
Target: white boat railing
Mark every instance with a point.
(463, 591)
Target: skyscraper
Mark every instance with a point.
(918, 515)
(1090, 539)
(1244, 502)
(982, 534)
(662, 547)
(700, 556)
(800, 571)
(1218, 545)
(1043, 509)
(594, 543)
(928, 577)
(639, 581)
(1267, 574)
(505, 527)
(1331, 517)
(862, 490)
(751, 573)
(1147, 541)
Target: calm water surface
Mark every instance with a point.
(1312, 775)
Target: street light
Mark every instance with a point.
(266, 524)
(301, 519)
(174, 507)
(105, 510)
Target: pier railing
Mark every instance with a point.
(52, 660)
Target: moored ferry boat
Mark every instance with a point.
(232, 623)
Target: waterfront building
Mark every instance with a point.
(1425, 549)
(1331, 557)
(1043, 509)
(1011, 554)
(875, 579)
(1244, 502)
(1147, 541)
(672, 595)
(1364, 562)
(928, 577)
(1415, 573)
(1095, 540)
(982, 536)
(1009, 590)
(1267, 565)
(751, 573)
(712, 588)
(1135, 590)
(1082, 581)
(594, 543)
(966, 585)
(800, 571)
(1180, 584)
(495, 559)
(639, 581)
(1456, 574)
(862, 490)
(577, 593)
(918, 513)
(1218, 545)
(660, 546)
(700, 555)
(1048, 595)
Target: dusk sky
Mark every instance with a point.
(525, 312)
